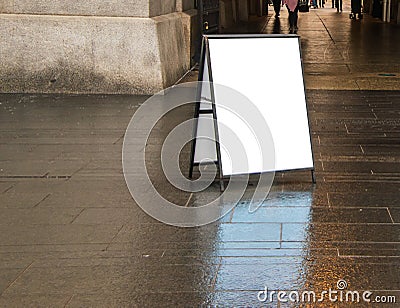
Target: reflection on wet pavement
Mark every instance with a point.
(71, 235)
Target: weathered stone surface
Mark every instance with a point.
(83, 241)
(172, 47)
(186, 4)
(157, 7)
(191, 30)
(132, 8)
(72, 54)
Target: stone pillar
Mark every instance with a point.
(235, 10)
(191, 27)
(243, 9)
(398, 13)
(93, 46)
(226, 13)
(261, 7)
(253, 7)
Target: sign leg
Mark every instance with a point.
(313, 177)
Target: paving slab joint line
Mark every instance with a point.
(80, 169)
(109, 244)
(329, 201)
(326, 28)
(269, 17)
(48, 195)
(77, 215)
(214, 280)
(231, 214)
(188, 200)
(391, 217)
(8, 188)
(19, 275)
(119, 139)
(69, 300)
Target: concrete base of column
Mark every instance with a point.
(191, 33)
(77, 54)
(398, 13)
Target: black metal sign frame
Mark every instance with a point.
(205, 55)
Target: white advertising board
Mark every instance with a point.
(268, 71)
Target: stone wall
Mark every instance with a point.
(110, 8)
(191, 33)
(117, 46)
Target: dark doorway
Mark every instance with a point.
(209, 16)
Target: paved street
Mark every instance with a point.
(72, 236)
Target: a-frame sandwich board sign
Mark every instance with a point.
(205, 107)
(250, 64)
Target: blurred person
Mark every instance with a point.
(314, 4)
(277, 7)
(356, 9)
(338, 5)
(293, 9)
(277, 26)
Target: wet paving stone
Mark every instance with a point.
(16, 200)
(39, 216)
(112, 279)
(271, 214)
(364, 199)
(254, 277)
(169, 299)
(15, 260)
(8, 275)
(35, 300)
(350, 215)
(371, 253)
(72, 236)
(56, 234)
(394, 214)
(358, 232)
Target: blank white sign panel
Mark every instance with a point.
(268, 70)
(205, 144)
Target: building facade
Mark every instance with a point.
(105, 46)
(113, 46)
(97, 46)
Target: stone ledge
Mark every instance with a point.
(111, 8)
(191, 29)
(58, 54)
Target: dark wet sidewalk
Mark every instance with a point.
(72, 236)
